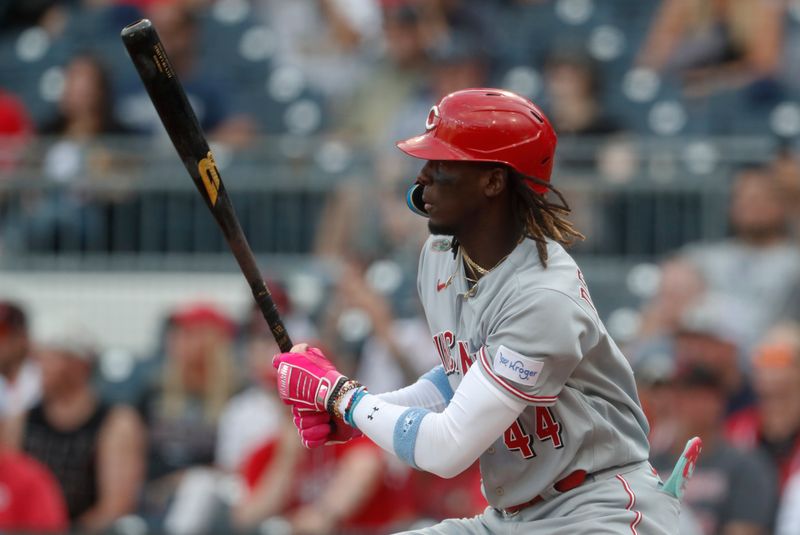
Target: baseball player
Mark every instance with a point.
(530, 382)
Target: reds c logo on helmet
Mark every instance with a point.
(488, 125)
(433, 118)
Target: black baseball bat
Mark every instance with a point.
(169, 99)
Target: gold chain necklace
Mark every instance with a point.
(478, 270)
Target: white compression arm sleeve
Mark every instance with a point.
(432, 391)
(444, 443)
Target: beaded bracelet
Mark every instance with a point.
(335, 393)
(351, 405)
(335, 399)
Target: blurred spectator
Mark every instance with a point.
(574, 103)
(399, 349)
(730, 492)
(23, 13)
(758, 267)
(680, 286)
(654, 371)
(396, 76)
(255, 414)
(362, 221)
(96, 452)
(256, 417)
(269, 473)
(179, 30)
(16, 129)
(183, 408)
(339, 489)
(345, 488)
(32, 501)
(31, 498)
(574, 90)
(436, 498)
(18, 14)
(80, 160)
(458, 62)
(22, 375)
(328, 40)
(443, 18)
(359, 313)
(716, 44)
(772, 426)
(709, 336)
(85, 108)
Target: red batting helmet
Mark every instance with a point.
(488, 125)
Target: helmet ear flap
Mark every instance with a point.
(414, 200)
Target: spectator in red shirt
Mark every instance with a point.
(344, 489)
(15, 130)
(30, 500)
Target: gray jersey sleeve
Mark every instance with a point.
(535, 342)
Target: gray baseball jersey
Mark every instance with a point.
(536, 336)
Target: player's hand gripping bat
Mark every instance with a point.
(165, 90)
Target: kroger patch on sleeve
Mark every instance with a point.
(518, 368)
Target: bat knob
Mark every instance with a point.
(136, 27)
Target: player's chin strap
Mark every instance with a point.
(682, 472)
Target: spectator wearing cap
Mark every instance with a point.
(183, 406)
(772, 425)
(21, 373)
(95, 451)
(731, 492)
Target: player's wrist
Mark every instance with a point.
(349, 406)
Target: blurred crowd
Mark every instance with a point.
(191, 438)
(331, 84)
(194, 439)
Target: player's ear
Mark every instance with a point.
(496, 181)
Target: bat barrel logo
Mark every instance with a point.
(209, 174)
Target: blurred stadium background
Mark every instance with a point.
(678, 124)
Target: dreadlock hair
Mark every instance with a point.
(537, 217)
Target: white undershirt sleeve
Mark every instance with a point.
(432, 391)
(444, 443)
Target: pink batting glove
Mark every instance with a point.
(316, 428)
(306, 378)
